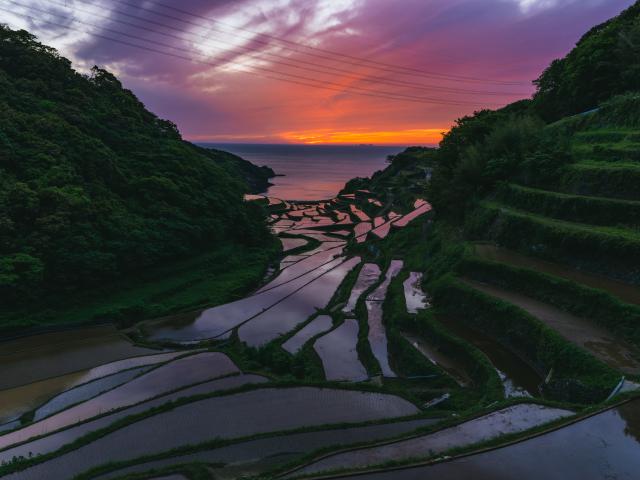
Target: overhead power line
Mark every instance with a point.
(274, 76)
(289, 62)
(328, 54)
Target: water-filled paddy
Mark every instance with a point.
(603, 446)
(449, 364)
(179, 373)
(509, 420)
(291, 243)
(286, 447)
(216, 321)
(30, 359)
(18, 400)
(361, 230)
(56, 440)
(367, 277)
(86, 391)
(414, 297)
(337, 350)
(238, 415)
(411, 216)
(296, 308)
(518, 375)
(318, 325)
(377, 334)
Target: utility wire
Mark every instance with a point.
(397, 69)
(288, 76)
(318, 84)
(313, 68)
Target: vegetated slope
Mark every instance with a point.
(605, 62)
(95, 188)
(543, 208)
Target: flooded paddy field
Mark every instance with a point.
(320, 324)
(230, 416)
(338, 352)
(305, 299)
(613, 351)
(179, 373)
(296, 308)
(449, 364)
(367, 277)
(509, 420)
(284, 449)
(86, 391)
(414, 297)
(55, 440)
(22, 399)
(517, 376)
(30, 359)
(604, 446)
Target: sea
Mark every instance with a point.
(311, 172)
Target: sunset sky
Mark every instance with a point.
(315, 71)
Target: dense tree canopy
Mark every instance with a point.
(604, 63)
(93, 186)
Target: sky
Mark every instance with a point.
(388, 72)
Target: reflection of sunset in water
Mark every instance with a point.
(313, 172)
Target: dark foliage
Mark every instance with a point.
(94, 187)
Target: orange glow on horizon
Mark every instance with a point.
(401, 137)
(410, 137)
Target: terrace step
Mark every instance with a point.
(625, 292)
(606, 136)
(583, 332)
(575, 208)
(614, 252)
(604, 179)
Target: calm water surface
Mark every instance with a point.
(312, 172)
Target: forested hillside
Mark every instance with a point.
(536, 217)
(94, 188)
(605, 62)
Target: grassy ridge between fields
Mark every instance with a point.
(605, 309)
(578, 376)
(611, 251)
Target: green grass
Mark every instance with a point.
(210, 279)
(574, 208)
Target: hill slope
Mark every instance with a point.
(535, 240)
(94, 187)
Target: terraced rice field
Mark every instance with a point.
(154, 404)
(510, 420)
(295, 309)
(570, 452)
(602, 344)
(174, 375)
(318, 325)
(282, 449)
(337, 350)
(368, 276)
(232, 416)
(56, 440)
(414, 297)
